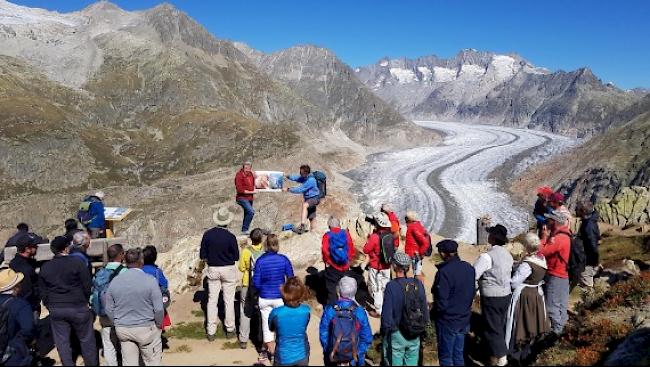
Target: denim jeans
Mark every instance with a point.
(249, 212)
(451, 344)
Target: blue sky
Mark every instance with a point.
(610, 37)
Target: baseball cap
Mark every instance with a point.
(447, 246)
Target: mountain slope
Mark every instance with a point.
(318, 76)
(603, 165)
(485, 87)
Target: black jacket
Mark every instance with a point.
(219, 247)
(64, 281)
(29, 285)
(590, 235)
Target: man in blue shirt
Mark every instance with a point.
(453, 294)
(310, 195)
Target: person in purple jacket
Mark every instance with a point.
(271, 271)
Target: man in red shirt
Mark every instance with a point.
(378, 270)
(338, 251)
(417, 242)
(394, 222)
(245, 185)
(556, 247)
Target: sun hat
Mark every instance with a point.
(447, 246)
(545, 191)
(411, 216)
(401, 259)
(558, 217)
(381, 219)
(100, 194)
(9, 279)
(498, 231)
(557, 197)
(222, 216)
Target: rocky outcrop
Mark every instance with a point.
(630, 206)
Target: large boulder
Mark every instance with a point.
(630, 206)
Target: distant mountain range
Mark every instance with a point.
(507, 90)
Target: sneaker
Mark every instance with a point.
(212, 338)
(262, 356)
(243, 345)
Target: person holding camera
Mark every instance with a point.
(380, 248)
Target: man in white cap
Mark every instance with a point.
(91, 214)
(379, 248)
(220, 251)
(556, 248)
(19, 319)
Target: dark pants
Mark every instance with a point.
(249, 213)
(80, 320)
(332, 277)
(451, 345)
(311, 209)
(494, 311)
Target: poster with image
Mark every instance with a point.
(269, 181)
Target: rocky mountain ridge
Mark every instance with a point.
(476, 86)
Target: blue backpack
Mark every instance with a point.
(101, 282)
(338, 243)
(343, 335)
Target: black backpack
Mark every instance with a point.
(321, 182)
(577, 258)
(412, 324)
(5, 351)
(386, 247)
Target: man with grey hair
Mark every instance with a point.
(79, 247)
(134, 304)
(344, 306)
(245, 186)
(589, 233)
(338, 251)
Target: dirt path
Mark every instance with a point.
(221, 352)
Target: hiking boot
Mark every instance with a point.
(243, 345)
(245, 233)
(212, 338)
(263, 357)
(300, 229)
(230, 334)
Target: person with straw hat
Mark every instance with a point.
(379, 254)
(16, 315)
(220, 251)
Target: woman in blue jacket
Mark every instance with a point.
(290, 324)
(347, 290)
(271, 272)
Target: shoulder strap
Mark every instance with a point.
(116, 272)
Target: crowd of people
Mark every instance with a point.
(522, 302)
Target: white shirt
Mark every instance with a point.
(482, 264)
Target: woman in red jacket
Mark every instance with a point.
(245, 185)
(556, 248)
(417, 242)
